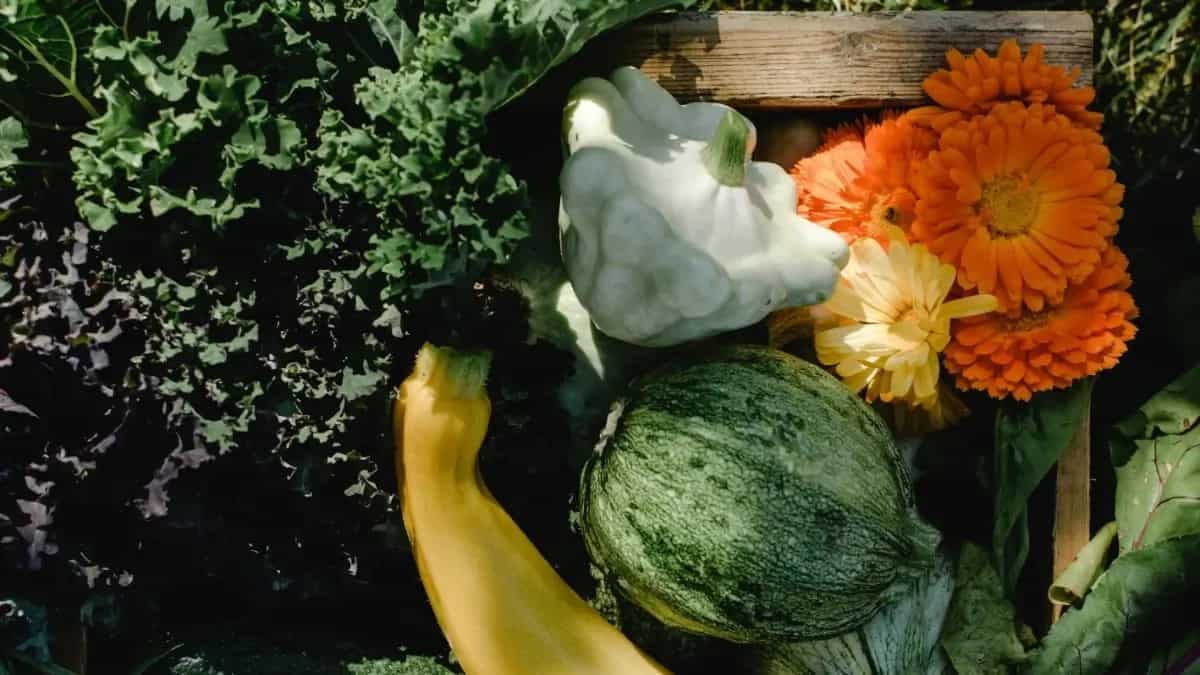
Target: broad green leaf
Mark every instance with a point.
(390, 29)
(1030, 437)
(1158, 490)
(576, 33)
(1158, 484)
(1070, 586)
(980, 634)
(1139, 594)
(1173, 410)
(46, 43)
(1176, 653)
(901, 638)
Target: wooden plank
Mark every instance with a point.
(1072, 508)
(827, 60)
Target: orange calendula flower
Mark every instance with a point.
(974, 84)
(1016, 356)
(827, 181)
(894, 147)
(857, 183)
(1020, 200)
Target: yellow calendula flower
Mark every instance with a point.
(893, 320)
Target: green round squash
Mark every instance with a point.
(747, 494)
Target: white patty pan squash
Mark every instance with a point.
(668, 232)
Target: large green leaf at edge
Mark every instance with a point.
(1141, 590)
(980, 635)
(581, 32)
(1029, 440)
(1177, 653)
(1157, 456)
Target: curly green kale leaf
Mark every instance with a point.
(412, 149)
(181, 131)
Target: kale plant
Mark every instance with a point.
(237, 222)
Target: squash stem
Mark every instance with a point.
(725, 154)
(451, 372)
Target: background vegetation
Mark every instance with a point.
(226, 228)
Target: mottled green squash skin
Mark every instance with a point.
(747, 494)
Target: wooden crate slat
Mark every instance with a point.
(1072, 500)
(824, 60)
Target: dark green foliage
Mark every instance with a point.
(1029, 440)
(1147, 72)
(838, 5)
(1143, 593)
(226, 250)
(236, 223)
(184, 128)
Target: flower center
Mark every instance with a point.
(915, 315)
(1027, 321)
(885, 211)
(1009, 205)
(910, 314)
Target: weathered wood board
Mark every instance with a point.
(1072, 502)
(824, 60)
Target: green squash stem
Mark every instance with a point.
(725, 154)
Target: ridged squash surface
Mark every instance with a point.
(747, 494)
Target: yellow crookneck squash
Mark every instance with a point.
(503, 608)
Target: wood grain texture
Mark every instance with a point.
(1072, 508)
(824, 60)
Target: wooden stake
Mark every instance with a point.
(1072, 509)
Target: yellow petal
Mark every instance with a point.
(969, 306)
(874, 275)
(925, 382)
(940, 283)
(847, 302)
(906, 335)
(850, 367)
(856, 383)
(903, 268)
(909, 358)
(902, 379)
(867, 339)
